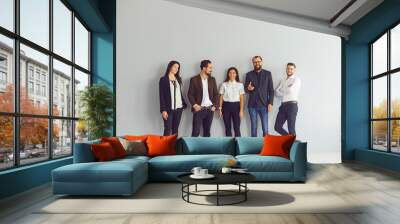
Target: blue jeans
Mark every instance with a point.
(263, 113)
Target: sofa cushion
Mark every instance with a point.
(207, 145)
(116, 145)
(136, 147)
(277, 145)
(111, 171)
(161, 145)
(249, 145)
(103, 152)
(257, 163)
(185, 163)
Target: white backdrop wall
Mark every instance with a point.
(150, 33)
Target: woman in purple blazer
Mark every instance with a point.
(172, 102)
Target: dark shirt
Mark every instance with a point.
(259, 102)
(263, 93)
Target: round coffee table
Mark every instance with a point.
(238, 179)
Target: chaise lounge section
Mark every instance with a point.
(125, 176)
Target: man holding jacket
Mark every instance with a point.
(203, 96)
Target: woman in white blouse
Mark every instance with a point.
(231, 102)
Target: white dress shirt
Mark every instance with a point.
(289, 88)
(178, 95)
(205, 102)
(231, 91)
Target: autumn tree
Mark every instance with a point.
(33, 131)
(380, 127)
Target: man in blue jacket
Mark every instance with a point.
(260, 88)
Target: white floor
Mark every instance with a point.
(376, 189)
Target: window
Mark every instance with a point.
(62, 32)
(385, 91)
(81, 81)
(81, 45)
(35, 21)
(6, 71)
(44, 91)
(61, 75)
(3, 61)
(62, 137)
(3, 78)
(30, 87)
(7, 14)
(38, 74)
(6, 142)
(37, 91)
(42, 123)
(30, 72)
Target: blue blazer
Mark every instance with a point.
(165, 95)
(263, 87)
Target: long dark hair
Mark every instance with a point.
(237, 74)
(177, 76)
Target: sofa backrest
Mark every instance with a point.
(83, 152)
(249, 145)
(206, 145)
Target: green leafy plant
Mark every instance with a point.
(96, 102)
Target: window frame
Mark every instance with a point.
(388, 74)
(16, 114)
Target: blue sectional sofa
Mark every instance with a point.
(125, 176)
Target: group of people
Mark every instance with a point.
(205, 99)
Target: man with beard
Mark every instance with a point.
(288, 89)
(260, 88)
(203, 96)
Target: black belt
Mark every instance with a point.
(289, 102)
(206, 108)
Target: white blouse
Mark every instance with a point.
(178, 95)
(231, 91)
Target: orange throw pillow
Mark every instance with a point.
(161, 145)
(136, 137)
(103, 152)
(277, 145)
(116, 145)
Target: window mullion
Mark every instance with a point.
(389, 113)
(73, 81)
(16, 84)
(50, 81)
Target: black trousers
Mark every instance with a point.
(171, 125)
(287, 112)
(230, 114)
(203, 117)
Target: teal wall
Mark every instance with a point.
(24, 178)
(103, 51)
(356, 84)
(99, 15)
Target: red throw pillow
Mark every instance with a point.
(116, 145)
(161, 145)
(277, 145)
(103, 151)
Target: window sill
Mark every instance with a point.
(30, 166)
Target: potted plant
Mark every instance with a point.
(96, 103)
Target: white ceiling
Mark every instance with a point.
(315, 15)
(319, 9)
